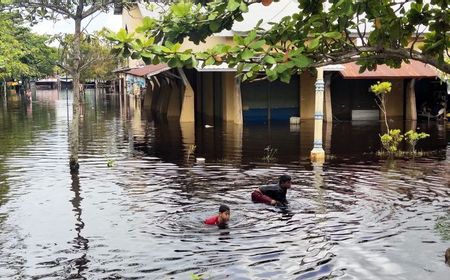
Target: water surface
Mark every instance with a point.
(355, 217)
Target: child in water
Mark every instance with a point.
(221, 219)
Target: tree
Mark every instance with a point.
(96, 58)
(76, 10)
(321, 32)
(22, 53)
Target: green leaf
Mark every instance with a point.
(301, 61)
(243, 7)
(212, 16)
(181, 9)
(258, 44)
(184, 56)
(271, 75)
(269, 59)
(250, 37)
(238, 39)
(314, 43)
(156, 60)
(247, 54)
(135, 55)
(333, 35)
(214, 26)
(202, 55)
(233, 5)
(285, 77)
(210, 61)
(174, 63)
(122, 35)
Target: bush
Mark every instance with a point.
(391, 140)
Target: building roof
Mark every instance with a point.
(414, 69)
(148, 70)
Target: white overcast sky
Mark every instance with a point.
(99, 20)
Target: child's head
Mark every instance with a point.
(224, 214)
(285, 181)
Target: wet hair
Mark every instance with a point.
(224, 208)
(285, 178)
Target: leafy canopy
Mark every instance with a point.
(321, 32)
(23, 53)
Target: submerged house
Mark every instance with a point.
(337, 93)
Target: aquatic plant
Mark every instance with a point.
(191, 151)
(110, 163)
(443, 226)
(381, 90)
(269, 154)
(391, 141)
(196, 276)
(412, 137)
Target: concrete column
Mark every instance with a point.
(174, 106)
(148, 97)
(317, 153)
(187, 106)
(238, 119)
(328, 114)
(411, 108)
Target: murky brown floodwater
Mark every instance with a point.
(356, 217)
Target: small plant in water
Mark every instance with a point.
(391, 141)
(443, 226)
(196, 276)
(270, 153)
(381, 90)
(191, 151)
(412, 137)
(110, 163)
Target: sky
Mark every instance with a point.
(100, 20)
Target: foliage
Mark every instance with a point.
(22, 53)
(76, 10)
(270, 154)
(319, 33)
(191, 151)
(443, 226)
(196, 276)
(381, 90)
(110, 163)
(412, 137)
(391, 140)
(96, 60)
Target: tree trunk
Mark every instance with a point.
(4, 87)
(74, 128)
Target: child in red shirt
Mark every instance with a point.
(221, 219)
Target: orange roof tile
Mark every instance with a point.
(415, 69)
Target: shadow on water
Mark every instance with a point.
(355, 217)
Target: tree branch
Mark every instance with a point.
(96, 7)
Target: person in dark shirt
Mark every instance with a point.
(273, 194)
(221, 219)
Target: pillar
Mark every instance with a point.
(187, 105)
(317, 153)
(238, 119)
(411, 108)
(328, 114)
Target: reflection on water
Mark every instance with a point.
(356, 217)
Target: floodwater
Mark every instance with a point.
(355, 217)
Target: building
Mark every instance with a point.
(337, 92)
